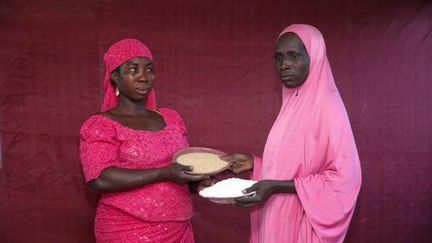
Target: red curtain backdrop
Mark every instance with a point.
(214, 65)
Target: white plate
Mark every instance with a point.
(226, 191)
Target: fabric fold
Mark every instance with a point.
(311, 142)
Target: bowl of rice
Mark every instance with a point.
(205, 161)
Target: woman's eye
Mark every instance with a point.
(132, 69)
(149, 69)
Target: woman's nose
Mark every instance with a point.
(143, 78)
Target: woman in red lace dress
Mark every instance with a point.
(126, 152)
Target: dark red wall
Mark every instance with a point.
(214, 65)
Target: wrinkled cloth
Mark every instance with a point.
(117, 226)
(311, 142)
(106, 143)
(117, 54)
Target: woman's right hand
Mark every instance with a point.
(176, 173)
(241, 162)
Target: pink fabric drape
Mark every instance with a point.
(311, 142)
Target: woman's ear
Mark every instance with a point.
(115, 77)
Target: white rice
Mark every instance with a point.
(228, 188)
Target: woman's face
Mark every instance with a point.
(135, 78)
(292, 60)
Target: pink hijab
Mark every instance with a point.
(311, 142)
(117, 54)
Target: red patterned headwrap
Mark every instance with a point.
(117, 54)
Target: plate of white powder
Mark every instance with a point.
(227, 190)
(205, 161)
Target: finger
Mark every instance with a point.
(250, 189)
(245, 202)
(185, 167)
(236, 167)
(224, 172)
(209, 182)
(203, 177)
(197, 177)
(227, 157)
(214, 181)
(247, 205)
(200, 188)
(234, 170)
(206, 183)
(245, 199)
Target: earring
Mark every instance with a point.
(117, 91)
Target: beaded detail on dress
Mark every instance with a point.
(106, 143)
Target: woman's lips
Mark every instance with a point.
(142, 90)
(286, 77)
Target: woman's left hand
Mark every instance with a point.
(197, 186)
(263, 190)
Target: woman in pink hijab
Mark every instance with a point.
(126, 152)
(309, 177)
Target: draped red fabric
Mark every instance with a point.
(213, 62)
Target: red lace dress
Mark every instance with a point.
(160, 212)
